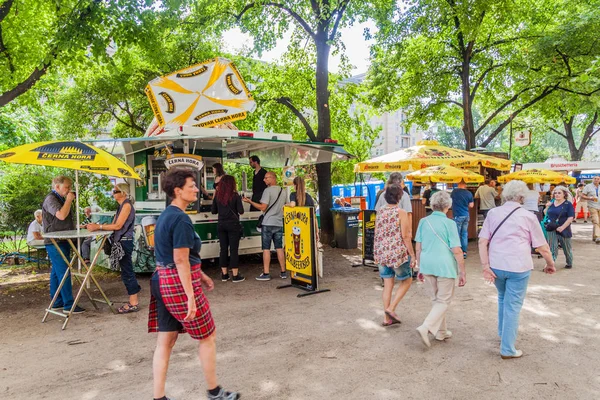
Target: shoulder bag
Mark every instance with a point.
(551, 225)
(445, 244)
(262, 217)
(501, 223)
(238, 216)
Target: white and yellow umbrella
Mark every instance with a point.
(538, 176)
(428, 153)
(444, 174)
(203, 95)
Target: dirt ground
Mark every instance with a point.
(273, 345)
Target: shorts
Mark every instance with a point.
(402, 273)
(168, 305)
(166, 322)
(272, 234)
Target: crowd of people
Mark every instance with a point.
(514, 224)
(517, 219)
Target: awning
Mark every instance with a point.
(273, 153)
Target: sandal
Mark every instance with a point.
(392, 315)
(389, 323)
(128, 308)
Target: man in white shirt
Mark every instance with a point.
(397, 179)
(591, 193)
(487, 196)
(34, 233)
(582, 205)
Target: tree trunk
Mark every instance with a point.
(468, 126)
(573, 150)
(324, 132)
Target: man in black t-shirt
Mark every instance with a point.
(427, 196)
(258, 181)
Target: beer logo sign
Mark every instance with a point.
(170, 103)
(211, 112)
(185, 161)
(191, 74)
(66, 151)
(230, 85)
(298, 240)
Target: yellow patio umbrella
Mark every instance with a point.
(538, 176)
(70, 155)
(444, 174)
(429, 153)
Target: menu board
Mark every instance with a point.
(368, 234)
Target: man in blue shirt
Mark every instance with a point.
(462, 200)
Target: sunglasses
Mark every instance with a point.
(117, 191)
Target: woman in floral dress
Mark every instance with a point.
(393, 252)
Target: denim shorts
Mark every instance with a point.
(402, 273)
(272, 234)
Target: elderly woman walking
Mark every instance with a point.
(393, 247)
(505, 243)
(560, 214)
(440, 259)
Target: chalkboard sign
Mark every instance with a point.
(368, 234)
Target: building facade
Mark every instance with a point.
(395, 133)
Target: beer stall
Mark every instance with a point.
(429, 153)
(193, 109)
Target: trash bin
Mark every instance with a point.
(345, 227)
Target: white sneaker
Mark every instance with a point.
(424, 335)
(441, 336)
(518, 354)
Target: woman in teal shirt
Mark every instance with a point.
(438, 256)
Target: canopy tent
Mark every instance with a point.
(444, 174)
(429, 153)
(537, 176)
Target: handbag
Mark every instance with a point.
(107, 248)
(553, 225)
(108, 243)
(262, 217)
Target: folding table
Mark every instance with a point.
(87, 275)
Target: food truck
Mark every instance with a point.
(198, 149)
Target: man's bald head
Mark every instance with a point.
(270, 178)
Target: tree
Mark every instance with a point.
(39, 36)
(108, 95)
(319, 21)
(588, 125)
(502, 56)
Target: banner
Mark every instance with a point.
(300, 246)
(368, 234)
(522, 138)
(184, 160)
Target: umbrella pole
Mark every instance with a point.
(77, 218)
